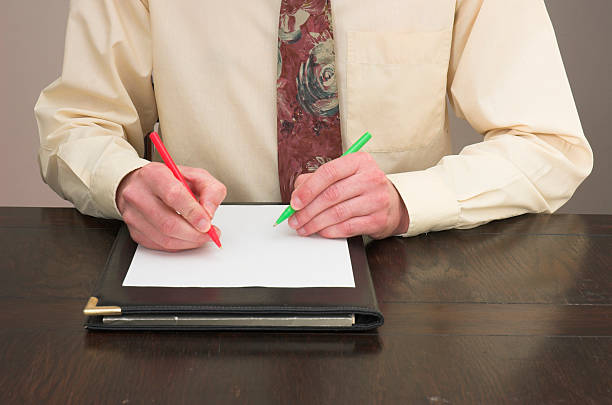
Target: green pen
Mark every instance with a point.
(354, 148)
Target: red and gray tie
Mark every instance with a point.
(308, 120)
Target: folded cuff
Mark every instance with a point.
(430, 202)
(108, 175)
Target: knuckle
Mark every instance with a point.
(331, 193)
(129, 194)
(329, 171)
(168, 226)
(339, 212)
(347, 228)
(220, 190)
(364, 158)
(300, 179)
(174, 194)
(149, 170)
(376, 175)
(370, 177)
(304, 194)
(143, 171)
(193, 212)
(139, 177)
(376, 178)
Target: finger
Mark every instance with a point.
(176, 197)
(210, 191)
(336, 193)
(301, 179)
(170, 246)
(166, 239)
(145, 241)
(354, 207)
(149, 208)
(351, 227)
(326, 175)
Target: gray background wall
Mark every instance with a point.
(31, 49)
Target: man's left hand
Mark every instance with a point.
(346, 197)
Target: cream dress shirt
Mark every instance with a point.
(214, 67)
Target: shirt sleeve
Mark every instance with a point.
(507, 79)
(92, 119)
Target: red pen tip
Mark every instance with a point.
(213, 235)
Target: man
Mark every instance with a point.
(240, 86)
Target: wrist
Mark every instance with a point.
(404, 220)
(119, 200)
(403, 216)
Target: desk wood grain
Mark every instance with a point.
(516, 311)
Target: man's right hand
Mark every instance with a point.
(151, 198)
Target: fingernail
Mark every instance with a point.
(293, 222)
(301, 231)
(296, 203)
(203, 225)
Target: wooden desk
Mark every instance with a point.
(517, 311)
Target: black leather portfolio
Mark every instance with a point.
(114, 307)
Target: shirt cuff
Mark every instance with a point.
(431, 204)
(107, 177)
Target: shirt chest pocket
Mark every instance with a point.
(396, 88)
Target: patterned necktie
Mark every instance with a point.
(308, 121)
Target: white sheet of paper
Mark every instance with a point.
(254, 254)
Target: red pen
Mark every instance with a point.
(174, 169)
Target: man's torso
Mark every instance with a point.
(215, 64)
